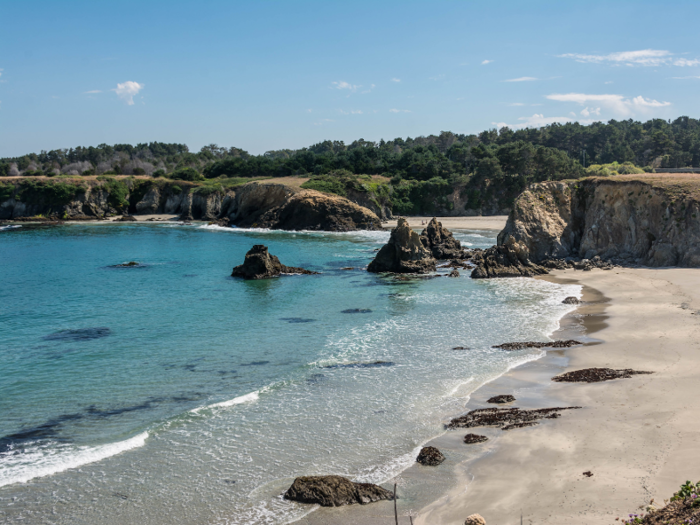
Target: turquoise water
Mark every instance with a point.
(174, 393)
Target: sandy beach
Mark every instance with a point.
(494, 222)
(638, 436)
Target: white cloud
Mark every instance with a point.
(618, 104)
(345, 85)
(643, 57)
(92, 92)
(396, 80)
(521, 79)
(609, 82)
(684, 78)
(371, 87)
(486, 62)
(535, 121)
(323, 121)
(394, 110)
(310, 110)
(351, 112)
(128, 90)
(587, 112)
(437, 77)
(516, 104)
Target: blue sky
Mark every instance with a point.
(272, 75)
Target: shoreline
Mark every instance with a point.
(528, 380)
(638, 436)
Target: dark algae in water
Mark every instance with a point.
(80, 334)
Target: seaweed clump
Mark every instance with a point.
(596, 375)
(535, 344)
(506, 418)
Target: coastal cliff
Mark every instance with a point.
(260, 204)
(652, 220)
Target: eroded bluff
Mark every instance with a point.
(652, 221)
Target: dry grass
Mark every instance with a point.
(675, 185)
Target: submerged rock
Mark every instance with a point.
(404, 253)
(430, 456)
(260, 264)
(440, 241)
(80, 334)
(130, 264)
(335, 491)
(453, 273)
(596, 375)
(503, 398)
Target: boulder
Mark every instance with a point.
(440, 241)
(471, 439)
(404, 253)
(127, 218)
(430, 456)
(453, 273)
(260, 264)
(571, 300)
(335, 491)
(224, 223)
(475, 519)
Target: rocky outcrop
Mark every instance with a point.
(475, 519)
(404, 253)
(253, 200)
(501, 399)
(260, 264)
(648, 221)
(380, 207)
(505, 260)
(313, 210)
(440, 241)
(335, 491)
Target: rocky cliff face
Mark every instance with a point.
(653, 221)
(264, 205)
(404, 253)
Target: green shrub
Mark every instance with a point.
(6, 191)
(188, 174)
(118, 190)
(50, 193)
(158, 173)
(177, 190)
(139, 171)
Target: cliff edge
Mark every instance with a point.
(651, 219)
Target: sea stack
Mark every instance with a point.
(440, 241)
(260, 264)
(404, 253)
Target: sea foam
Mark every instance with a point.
(40, 460)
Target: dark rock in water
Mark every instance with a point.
(130, 264)
(260, 264)
(440, 241)
(506, 418)
(255, 363)
(534, 344)
(596, 375)
(404, 253)
(571, 300)
(335, 491)
(503, 398)
(505, 260)
(81, 334)
(362, 365)
(348, 268)
(356, 311)
(461, 348)
(430, 456)
(297, 320)
(127, 218)
(470, 439)
(453, 273)
(224, 223)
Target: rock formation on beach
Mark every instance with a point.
(260, 264)
(404, 253)
(475, 519)
(568, 343)
(335, 491)
(506, 418)
(505, 260)
(597, 375)
(430, 457)
(472, 439)
(503, 398)
(440, 242)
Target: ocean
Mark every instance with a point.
(172, 393)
